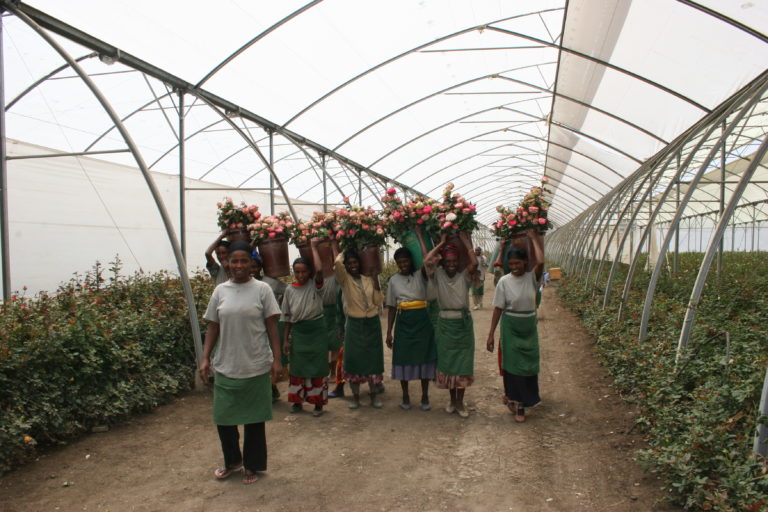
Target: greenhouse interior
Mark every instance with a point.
(639, 126)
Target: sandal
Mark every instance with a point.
(520, 414)
(249, 478)
(224, 472)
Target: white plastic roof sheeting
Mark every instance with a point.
(490, 94)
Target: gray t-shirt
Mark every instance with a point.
(277, 286)
(302, 303)
(217, 273)
(330, 289)
(241, 309)
(516, 293)
(452, 292)
(406, 288)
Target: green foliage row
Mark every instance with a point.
(90, 354)
(699, 417)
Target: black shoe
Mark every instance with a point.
(337, 393)
(296, 408)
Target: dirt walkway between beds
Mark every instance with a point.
(573, 453)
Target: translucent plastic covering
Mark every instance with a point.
(359, 95)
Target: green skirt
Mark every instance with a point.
(414, 339)
(455, 338)
(478, 290)
(519, 345)
(363, 347)
(330, 313)
(309, 349)
(242, 401)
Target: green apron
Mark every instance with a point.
(414, 340)
(309, 349)
(363, 348)
(434, 312)
(478, 290)
(519, 345)
(455, 338)
(330, 313)
(242, 401)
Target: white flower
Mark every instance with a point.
(451, 217)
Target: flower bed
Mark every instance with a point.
(701, 420)
(91, 354)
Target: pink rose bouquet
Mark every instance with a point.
(273, 226)
(232, 218)
(358, 226)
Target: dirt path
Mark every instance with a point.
(573, 454)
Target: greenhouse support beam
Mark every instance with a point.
(77, 153)
(761, 437)
(714, 244)
(182, 179)
(154, 191)
(4, 243)
(750, 97)
(102, 48)
(633, 217)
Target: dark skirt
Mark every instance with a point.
(522, 389)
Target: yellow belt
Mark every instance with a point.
(414, 304)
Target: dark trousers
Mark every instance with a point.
(254, 455)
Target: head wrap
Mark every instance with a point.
(255, 256)
(239, 245)
(450, 250)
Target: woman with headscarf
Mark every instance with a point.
(454, 334)
(242, 316)
(414, 355)
(515, 304)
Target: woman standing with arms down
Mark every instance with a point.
(414, 356)
(454, 334)
(363, 358)
(515, 304)
(242, 316)
(306, 338)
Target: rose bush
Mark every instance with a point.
(91, 354)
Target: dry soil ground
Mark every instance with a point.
(573, 454)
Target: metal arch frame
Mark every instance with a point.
(154, 191)
(254, 146)
(754, 93)
(540, 89)
(438, 93)
(474, 139)
(631, 222)
(530, 161)
(43, 79)
(78, 36)
(253, 41)
(549, 92)
(405, 54)
(726, 19)
(629, 201)
(714, 243)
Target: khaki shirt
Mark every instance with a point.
(358, 303)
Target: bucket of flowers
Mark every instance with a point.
(320, 226)
(270, 235)
(234, 220)
(513, 224)
(454, 215)
(362, 229)
(404, 222)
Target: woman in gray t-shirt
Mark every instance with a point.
(242, 316)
